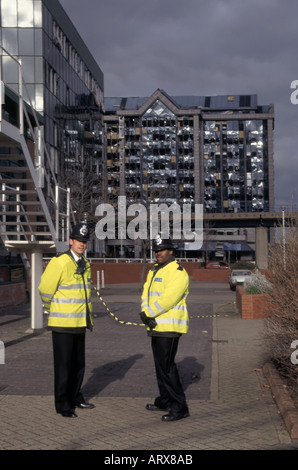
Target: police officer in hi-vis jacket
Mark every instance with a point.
(164, 312)
(65, 291)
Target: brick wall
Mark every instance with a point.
(209, 275)
(13, 294)
(118, 273)
(4, 273)
(251, 305)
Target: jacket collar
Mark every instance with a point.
(158, 266)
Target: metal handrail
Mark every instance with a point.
(51, 179)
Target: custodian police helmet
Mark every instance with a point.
(80, 232)
(162, 244)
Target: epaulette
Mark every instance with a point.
(180, 267)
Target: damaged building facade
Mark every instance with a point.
(210, 150)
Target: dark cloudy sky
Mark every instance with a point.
(202, 47)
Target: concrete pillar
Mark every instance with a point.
(36, 303)
(262, 247)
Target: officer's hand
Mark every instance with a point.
(150, 322)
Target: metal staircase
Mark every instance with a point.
(29, 220)
(34, 209)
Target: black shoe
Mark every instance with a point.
(175, 417)
(85, 406)
(152, 407)
(68, 414)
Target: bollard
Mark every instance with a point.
(102, 279)
(2, 353)
(98, 281)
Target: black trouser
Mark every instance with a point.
(69, 369)
(171, 392)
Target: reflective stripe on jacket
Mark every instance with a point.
(63, 293)
(164, 297)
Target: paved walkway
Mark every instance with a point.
(220, 362)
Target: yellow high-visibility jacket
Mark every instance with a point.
(164, 298)
(65, 294)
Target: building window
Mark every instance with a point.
(25, 14)
(9, 15)
(10, 40)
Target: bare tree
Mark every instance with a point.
(282, 323)
(85, 189)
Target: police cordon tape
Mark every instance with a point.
(142, 324)
(114, 316)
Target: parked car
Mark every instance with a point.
(216, 265)
(238, 276)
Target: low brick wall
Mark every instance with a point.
(251, 305)
(209, 275)
(119, 273)
(13, 294)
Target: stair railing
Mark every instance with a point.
(62, 212)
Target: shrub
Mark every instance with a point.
(257, 284)
(281, 327)
(251, 289)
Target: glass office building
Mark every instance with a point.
(61, 77)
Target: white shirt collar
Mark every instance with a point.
(76, 257)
